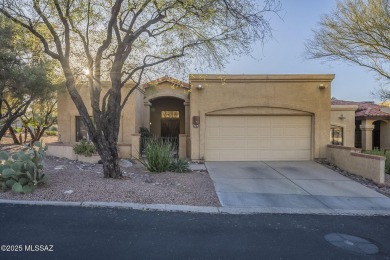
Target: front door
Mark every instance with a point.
(170, 127)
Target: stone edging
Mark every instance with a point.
(201, 209)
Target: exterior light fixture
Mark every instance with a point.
(195, 121)
(322, 86)
(342, 117)
(199, 86)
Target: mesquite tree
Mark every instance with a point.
(126, 40)
(357, 31)
(23, 77)
(39, 117)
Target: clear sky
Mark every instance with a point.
(284, 53)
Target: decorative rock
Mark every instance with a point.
(59, 167)
(149, 180)
(125, 163)
(68, 192)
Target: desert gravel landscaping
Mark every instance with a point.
(76, 181)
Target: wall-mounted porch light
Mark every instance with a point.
(195, 121)
(342, 117)
(322, 86)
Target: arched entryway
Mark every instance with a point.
(167, 117)
(374, 134)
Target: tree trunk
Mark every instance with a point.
(7, 125)
(8, 121)
(110, 159)
(25, 133)
(13, 135)
(104, 130)
(40, 133)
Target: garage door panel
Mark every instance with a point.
(226, 144)
(234, 131)
(258, 144)
(231, 155)
(283, 143)
(260, 122)
(229, 121)
(254, 138)
(213, 132)
(302, 131)
(302, 144)
(258, 132)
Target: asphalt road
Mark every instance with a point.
(106, 233)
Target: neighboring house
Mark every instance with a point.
(221, 117)
(360, 124)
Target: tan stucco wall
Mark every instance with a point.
(344, 116)
(131, 117)
(351, 160)
(166, 89)
(61, 151)
(260, 94)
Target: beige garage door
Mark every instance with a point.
(258, 138)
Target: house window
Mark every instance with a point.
(81, 130)
(336, 135)
(170, 114)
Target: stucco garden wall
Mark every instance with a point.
(61, 151)
(344, 116)
(352, 160)
(262, 94)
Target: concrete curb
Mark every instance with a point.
(201, 209)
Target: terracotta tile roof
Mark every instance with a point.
(174, 81)
(365, 109)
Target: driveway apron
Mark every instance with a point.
(295, 184)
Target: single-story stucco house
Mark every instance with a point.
(242, 118)
(360, 124)
(221, 117)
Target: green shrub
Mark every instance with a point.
(157, 156)
(53, 128)
(51, 133)
(23, 172)
(145, 136)
(179, 165)
(85, 148)
(381, 153)
(145, 133)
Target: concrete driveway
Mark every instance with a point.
(295, 185)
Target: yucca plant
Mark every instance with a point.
(179, 165)
(157, 155)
